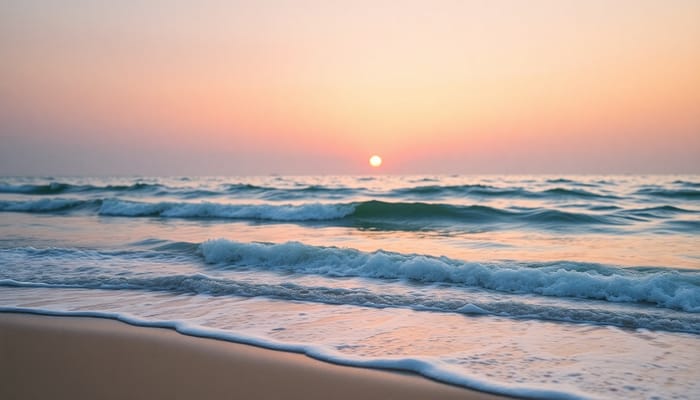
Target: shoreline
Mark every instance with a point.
(68, 357)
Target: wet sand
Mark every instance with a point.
(91, 358)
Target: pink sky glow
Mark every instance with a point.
(316, 87)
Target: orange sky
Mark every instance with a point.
(257, 87)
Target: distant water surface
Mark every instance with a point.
(534, 286)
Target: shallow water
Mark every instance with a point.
(548, 287)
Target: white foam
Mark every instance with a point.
(426, 367)
(471, 309)
(670, 289)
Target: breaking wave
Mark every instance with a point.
(659, 299)
(411, 214)
(665, 288)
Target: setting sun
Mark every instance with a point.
(375, 161)
(209, 154)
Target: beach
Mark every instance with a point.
(546, 287)
(90, 358)
(350, 200)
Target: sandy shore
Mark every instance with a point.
(90, 358)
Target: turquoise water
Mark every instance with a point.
(539, 286)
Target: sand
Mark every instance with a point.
(91, 358)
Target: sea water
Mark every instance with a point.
(533, 286)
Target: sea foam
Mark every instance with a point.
(293, 271)
(421, 366)
(665, 288)
(371, 213)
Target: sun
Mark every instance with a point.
(375, 161)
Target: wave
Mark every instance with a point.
(373, 213)
(46, 205)
(374, 209)
(244, 190)
(682, 194)
(564, 192)
(303, 212)
(49, 188)
(416, 215)
(54, 188)
(213, 286)
(451, 286)
(665, 211)
(561, 180)
(423, 366)
(633, 298)
(202, 210)
(672, 289)
(687, 183)
(424, 189)
(457, 190)
(243, 187)
(479, 190)
(301, 191)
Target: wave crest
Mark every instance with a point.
(669, 289)
(53, 188)
(368, 214)
(303, 212)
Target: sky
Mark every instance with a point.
(91, 87)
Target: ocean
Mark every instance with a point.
(551, 287)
